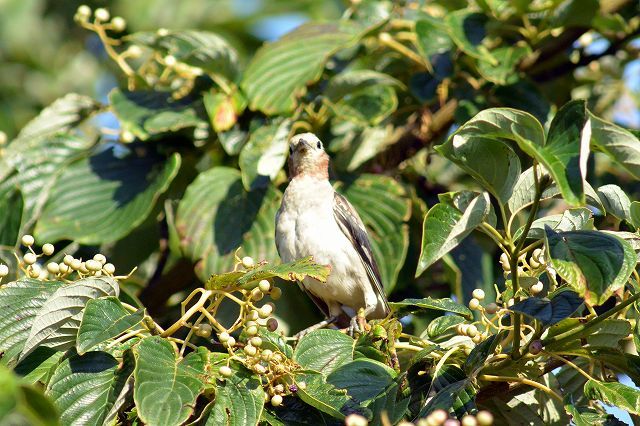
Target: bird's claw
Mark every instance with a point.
(357, 325)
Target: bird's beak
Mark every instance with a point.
(303, 146)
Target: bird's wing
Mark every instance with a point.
(352, 226)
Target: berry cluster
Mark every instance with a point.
(32, 267)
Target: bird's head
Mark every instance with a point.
(307, 157)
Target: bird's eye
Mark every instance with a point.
(319, 145)
(290, 149)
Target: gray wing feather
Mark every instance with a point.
(352, 226)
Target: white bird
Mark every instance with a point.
(314, 220)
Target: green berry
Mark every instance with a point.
(247, 261)
(264, 286)
(276, 400)
(204, 330)
(275, 293)
(48, 249)
(30, 258)
(109, 268)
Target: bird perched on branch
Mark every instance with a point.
(314, 220)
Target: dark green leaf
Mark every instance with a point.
(593, 263)
(239, 400)
(446, 305)
(363, 378)
(575, 13)
(445, 226)
(279, 72)
(467, 31)
(11, 205)
(432, 36)
(201, 49)
(549, 312)
(442, 325)
(147, 114)
(102, 198)
(367, 106)
(481, 352)
(615, 201)
(386, 223)
(634, 213)
(216, 216)
(350, 81)
(614, 393)
(618, 143)
(39, 364)
(571, 220)
(166, 390)
(264, 154)
(491, 162)
(324, 350)
(454, 393)
(503, 69)
(85, 388)
(20, 302)
(57, 322)
(104, 319)
(586, 416)
(324, 396)
(23, 404)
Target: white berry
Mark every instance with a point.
(28, 240)
(48, 249)
(30, 258)
(4, 270)
(102, 14)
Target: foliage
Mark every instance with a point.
(513, 293)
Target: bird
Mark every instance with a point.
(315, 220)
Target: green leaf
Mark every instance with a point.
(165, 390)
(618, 143)
(481, 352)
(605, 334)
(150, 113)
(491, 162)
(593, 263)
(432, 36)
(20, 302)
(534, 407)
(216, 216)
(350, 81)
(279, 72)
(504, 68)
(324, 350)
(368, 143)
(102, 198)
(57, 322)
(454, 392)
(615, 201)
(324, 396)
(524, 191)
(467, 31)
(571, 220)
(587, 416)
(201, 49)
(575, 13)
(59, 117)
(239, 400)
(386, 224)
(22, 404)
(442, 325)
(38, 366)
(11, 205)
(104, 319)
(292, 271)
(549, 312)
(565, 153)
(221, 111)
(85, 388)
(373, 385)
(264, 154)
(614, 393)
(446, 305)
(363, 378)
(367, 106)
(445, 226)
(634, 213)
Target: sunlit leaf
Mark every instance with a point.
(324, 350)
